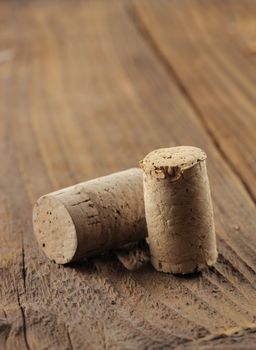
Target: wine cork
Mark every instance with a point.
(91, 217)
(178, 209)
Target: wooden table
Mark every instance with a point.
(88, 88)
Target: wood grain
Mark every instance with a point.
(209, 49)
(84, 91)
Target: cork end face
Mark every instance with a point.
(171, 162)
(54, 230)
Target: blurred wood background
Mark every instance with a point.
(88, 88)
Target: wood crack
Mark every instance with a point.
(145, 33)
(5, 314)
(231, 332)
(23, 321)
(23, 266)
(5, 328)
(69, 339)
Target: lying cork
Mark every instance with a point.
(91, 217)
(179, 211)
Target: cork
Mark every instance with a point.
(90, 217)
(178, 209)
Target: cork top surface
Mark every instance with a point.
(54, 229)
(171, 162)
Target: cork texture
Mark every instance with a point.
(179, 210)
(91, 217)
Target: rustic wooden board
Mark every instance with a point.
(209, 47)
(84, 91)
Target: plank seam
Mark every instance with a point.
(146, 35)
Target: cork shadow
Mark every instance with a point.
(189, 276)
(129, 257)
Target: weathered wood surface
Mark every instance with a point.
(87, 88)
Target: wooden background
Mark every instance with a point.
(88, 88)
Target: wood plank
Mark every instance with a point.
(209, 48)
(82, 95)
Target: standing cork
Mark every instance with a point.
(91, 217)
(179, 211)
